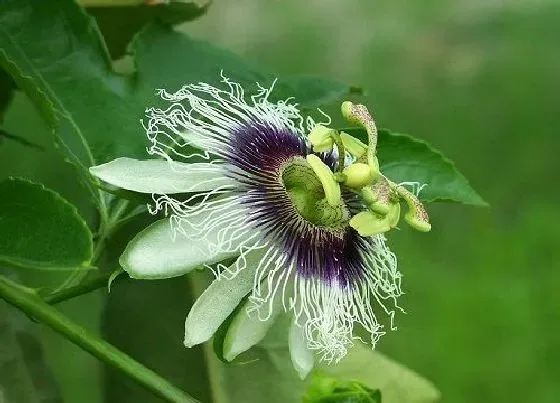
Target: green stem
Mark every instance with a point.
(36, 308)
(107, 228)
(65, 294)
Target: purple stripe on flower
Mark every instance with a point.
(259, 152)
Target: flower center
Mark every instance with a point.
(308, 197)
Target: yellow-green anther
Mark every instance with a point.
(416, 216)
(347, 109)
(383, 196)
(359, 114)
(353, 145)
(330, 186)
(368, 195)
(321, 138)
(358, 175)
(368, 223)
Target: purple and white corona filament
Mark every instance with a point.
(302, 208)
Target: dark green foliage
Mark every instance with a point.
(405, 158)
(38, 228)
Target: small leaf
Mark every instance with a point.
(404, 158)
(39, 229)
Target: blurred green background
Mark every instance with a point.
(478, 79)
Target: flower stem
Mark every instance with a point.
(82, 288)
(33, 306)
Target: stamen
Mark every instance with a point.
(359, 114)
(416, 216)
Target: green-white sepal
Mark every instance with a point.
(219, 300)
(246, 329)
(302, 358)
(158, 252)
(162, 177)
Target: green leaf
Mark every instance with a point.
(24, 376)
(77, 63)
(404, 158)
(105, 124)
(39, 229)
(52, 79)
(164, 59)
(119, 23)
(7, 87)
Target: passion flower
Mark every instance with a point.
(302, 207)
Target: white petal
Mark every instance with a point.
(162, 177)
(219, 300)
(247, 330)
(154, 254)
(302, 357)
